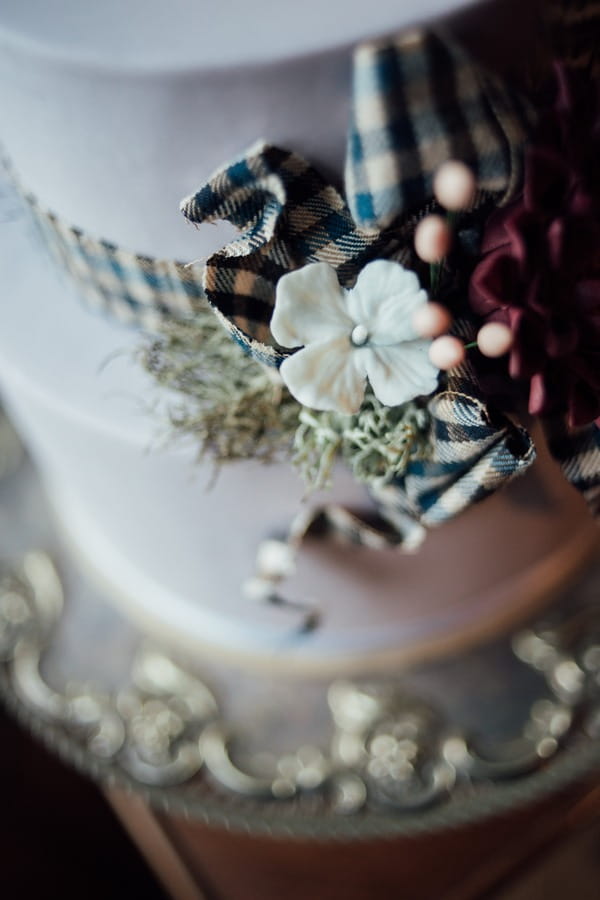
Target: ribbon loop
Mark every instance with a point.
(289, 216)
(417, 102)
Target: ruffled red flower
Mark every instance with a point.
(540, 266)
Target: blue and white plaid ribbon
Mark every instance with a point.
(135, 289)
(416, 102)
(288, 216)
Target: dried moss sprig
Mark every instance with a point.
(232, 405)
(237, 408)
(377, 443)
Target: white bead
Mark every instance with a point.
(275, 559)
(431, 320)
(454, 186)
(432, 239)
(446, 352)
(494, 339)
(359, 336)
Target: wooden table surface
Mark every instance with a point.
(540, 853)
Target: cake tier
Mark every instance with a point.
(175, 550)
(110, 123)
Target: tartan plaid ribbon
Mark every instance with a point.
(578, 454)
(289, 216)
(135, 289)
(417, 102)
(474, 451)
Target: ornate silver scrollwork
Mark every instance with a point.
(307, 769)
(31, 601)
(164, 713)
(392, 741)
(388, 749)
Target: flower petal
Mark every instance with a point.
(310, 306)
(329, 375)
(384, 299)
(399, 374)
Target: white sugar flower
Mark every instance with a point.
(349, 336)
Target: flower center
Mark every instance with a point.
(359, 336)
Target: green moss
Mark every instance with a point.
(236, 408)
(377, 443)
(233, 406)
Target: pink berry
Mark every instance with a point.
(432, 239)
(431, 320)
(494, 339)
(446, 352)
(454, 186)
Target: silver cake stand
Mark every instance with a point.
(405, 752)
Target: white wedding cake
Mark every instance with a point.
(110, 114)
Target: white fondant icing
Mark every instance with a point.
(113, 148)
(156, 35)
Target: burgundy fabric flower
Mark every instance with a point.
(540, 266)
